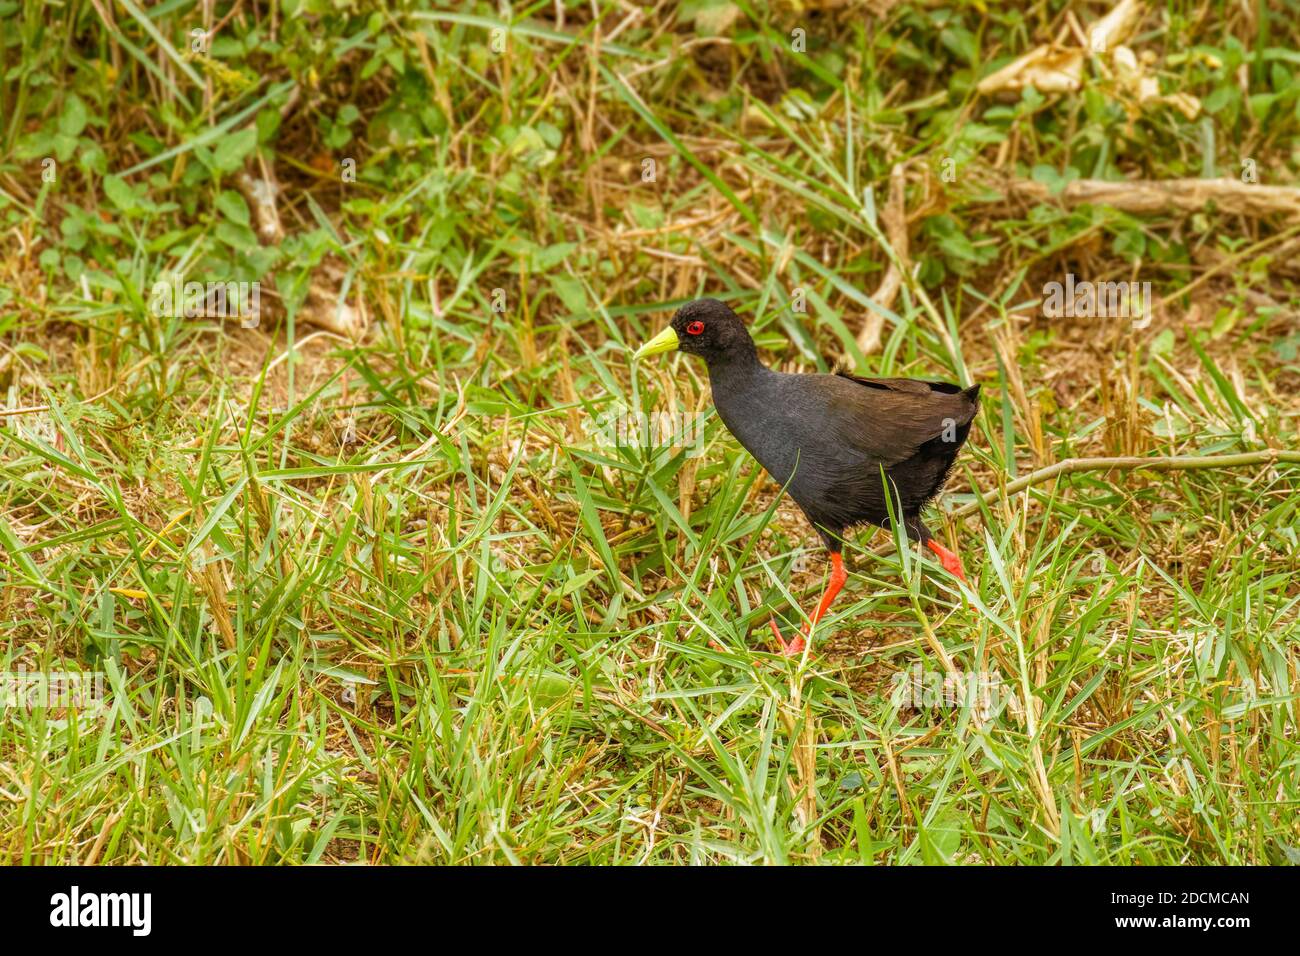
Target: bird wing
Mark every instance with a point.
(889, 419)
(915, 386)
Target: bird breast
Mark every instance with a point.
(785, 429)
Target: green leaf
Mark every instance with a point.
(231, 205)
(1163, 343)
(74, 116)
(543, 260)
(716, 18)
(237, 237)
(232, 150)
(570, 292)
(120, 194)
(962, 42)
(1218, 99)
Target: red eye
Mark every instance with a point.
(695, 328)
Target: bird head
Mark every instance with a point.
(707, 328)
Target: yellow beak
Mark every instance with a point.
(665, 341)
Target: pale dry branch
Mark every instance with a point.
(1146, 196)
(894, 220)
(1130, 463)
(323, 307)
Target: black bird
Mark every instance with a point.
(827, 437)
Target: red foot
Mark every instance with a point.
(788, 650)
(951, 563)
(797, 643)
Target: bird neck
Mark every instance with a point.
(735, 368)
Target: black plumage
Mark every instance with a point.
(826, 438)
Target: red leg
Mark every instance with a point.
(838, 577)
(951, 563)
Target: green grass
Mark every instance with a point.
(391, 601)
